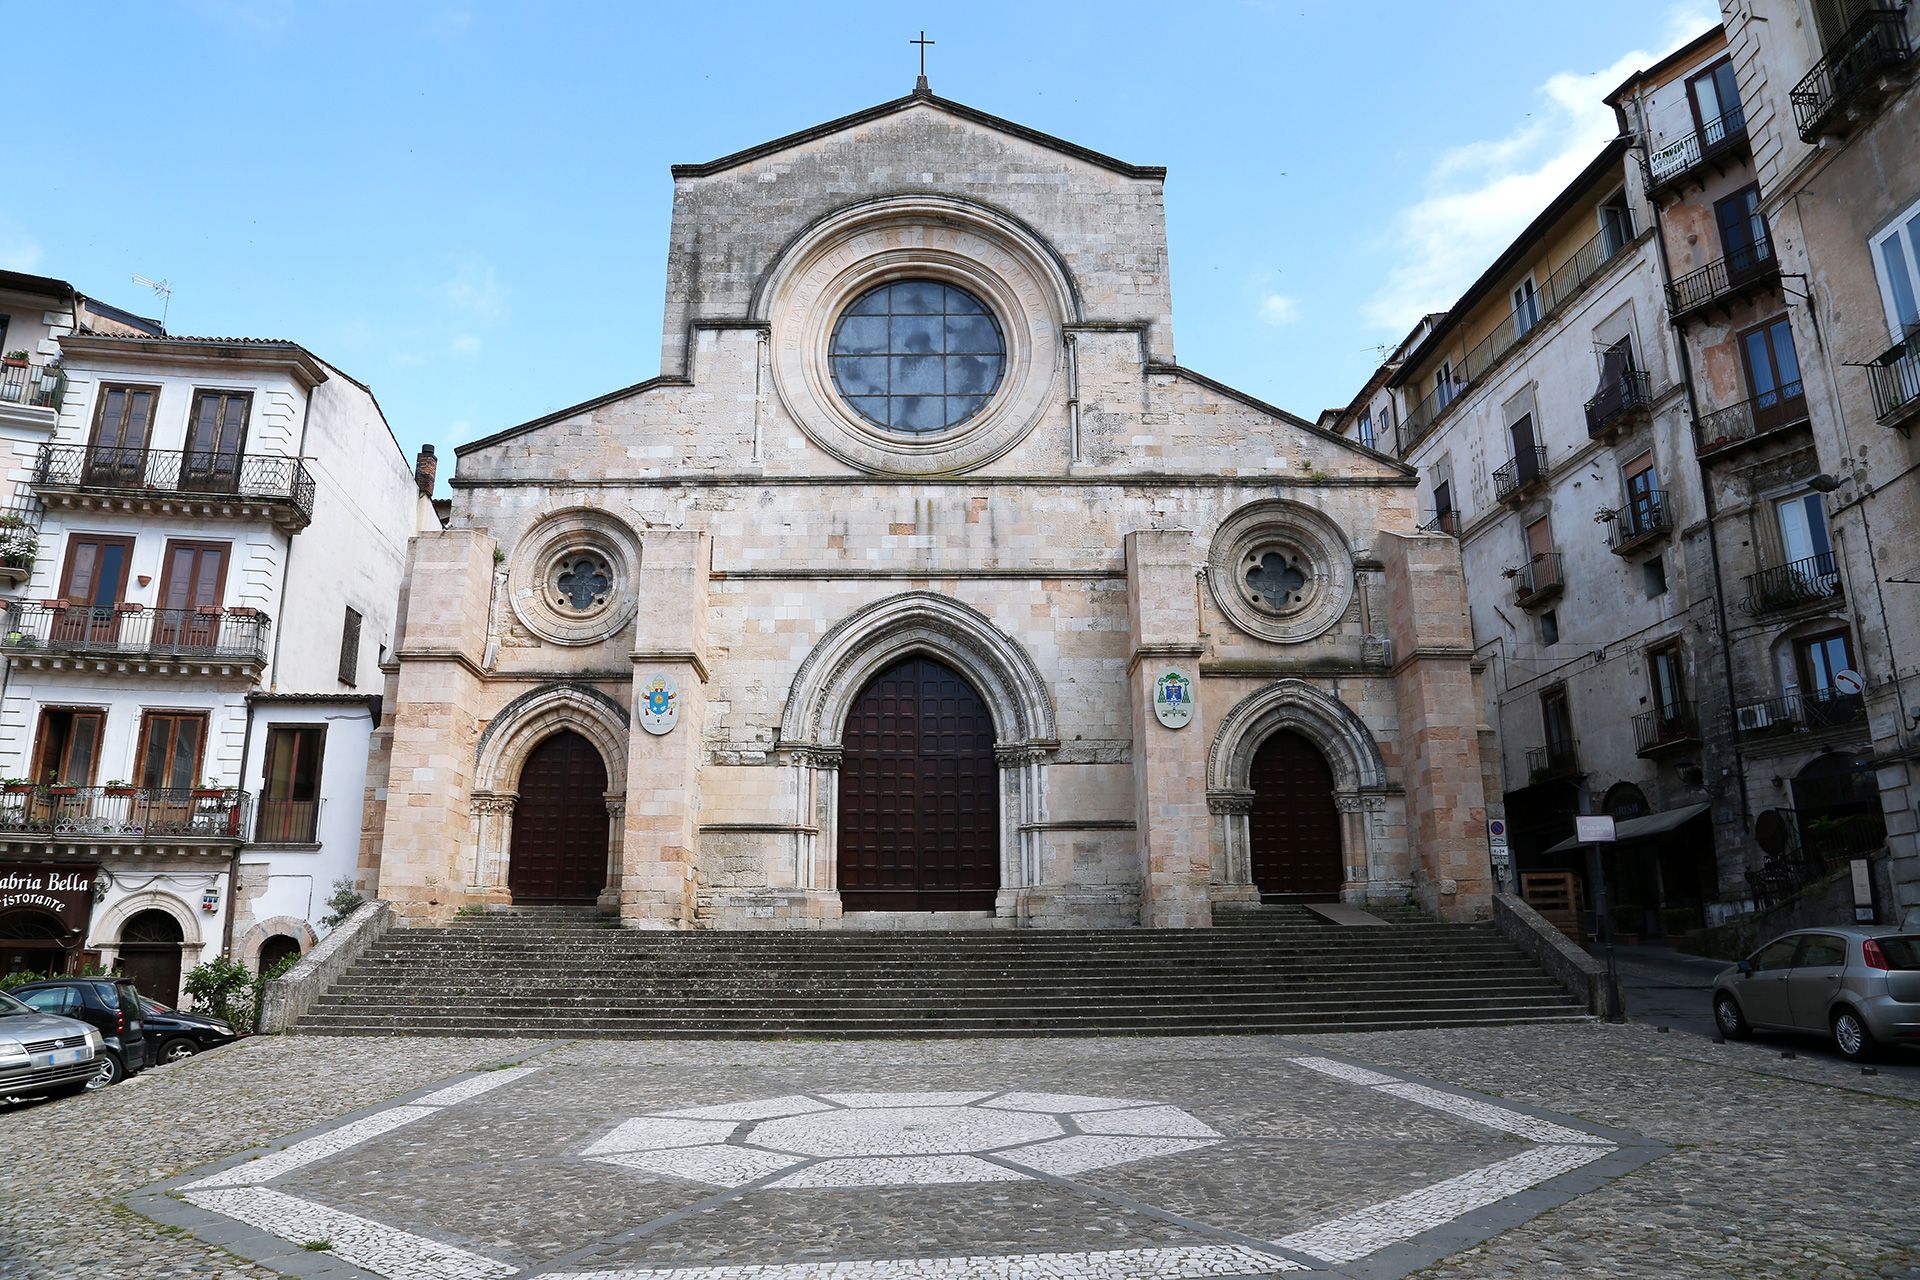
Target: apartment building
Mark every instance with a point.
(192, 642)
(1833, 119)
(1542, 413)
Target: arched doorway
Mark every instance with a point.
(559, 849)
(32, 942)
(919, 816)
(150, 955)
(277, 950)
(1293, 832)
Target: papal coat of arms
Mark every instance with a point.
(659, 704)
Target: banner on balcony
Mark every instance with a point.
(66, 890)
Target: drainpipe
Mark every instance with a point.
(1706, 496)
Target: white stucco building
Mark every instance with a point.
(192, 647)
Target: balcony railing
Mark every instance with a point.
(1723, 279)
(1720, 136)
(1644, 519)
(1847, 79)
(1629, 394)
(1737, 423)
(1895, 377)
(1555, 760)
(135, 631)
(38, 386)
(256, 477)
(1520, 473)
(1565, 281)
(1539, 580)
(1812, 712)
(122, 812)
(1669, 726)
(1790, 585)
(287, 821)
(1443, 522)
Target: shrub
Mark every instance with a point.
(226, 989)
(344, 901)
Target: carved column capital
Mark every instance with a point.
(1233, 800)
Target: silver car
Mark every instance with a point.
(43, 1053)
(1860, 985)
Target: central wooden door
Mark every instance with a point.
(919, 795)
(1294, 830)
(150, 955)
(559, 850)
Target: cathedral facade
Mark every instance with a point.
(924, 586)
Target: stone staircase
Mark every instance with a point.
(1278, 970)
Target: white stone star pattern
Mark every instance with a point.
(898, 1139)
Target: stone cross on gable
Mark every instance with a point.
(920, 85)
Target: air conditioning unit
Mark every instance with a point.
(1756, 716)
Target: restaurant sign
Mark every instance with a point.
(66, 891)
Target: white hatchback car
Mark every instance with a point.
(43, 1053)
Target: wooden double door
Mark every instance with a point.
(559, 847)
(919, 813)
(1293, 833)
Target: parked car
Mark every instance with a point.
(173, 1034)
(1859, 985)
(44, 1053)
(110, 1006)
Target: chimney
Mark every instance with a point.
(425, 468)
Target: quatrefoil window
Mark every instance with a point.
(1275, 580)
(582, 582)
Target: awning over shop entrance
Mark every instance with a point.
(1631, 829)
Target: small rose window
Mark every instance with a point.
(582, 582)
(1276, 579)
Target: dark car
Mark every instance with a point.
(110, 1006)
(173, 1034)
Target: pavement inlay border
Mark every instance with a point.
(230, 1203)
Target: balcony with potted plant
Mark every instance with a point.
(132, 639)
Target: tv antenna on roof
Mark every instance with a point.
(165, 291)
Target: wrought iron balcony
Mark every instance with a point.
(1814, 712)
(1858, 73)
(1663, 728)
(19, 541)
(1895, 377)
(1721, 138)
(1444, 522)
(1555, 760)
(287, 821)
(34, 386)
(1517, 477)
(1539, 581)
(125, 813)
(214, 484)
(1736, 424)
(1625, 399)
(1745, 269)
(134, 638)
(1814, 580)
(1645, 519)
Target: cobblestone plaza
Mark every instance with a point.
(1566, 1150)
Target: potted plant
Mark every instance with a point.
(63, 788)
(16, 786)
(211, 789)
(1628, 920)
(121, 787)
(15, 359)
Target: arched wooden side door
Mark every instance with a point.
(1294, 830)
(559, 850)
(150, 955)
(919, 818)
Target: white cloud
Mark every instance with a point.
(465, 344)
(1480, 195)
(475, 293)
(1279, 309)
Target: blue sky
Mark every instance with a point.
(464, 204)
